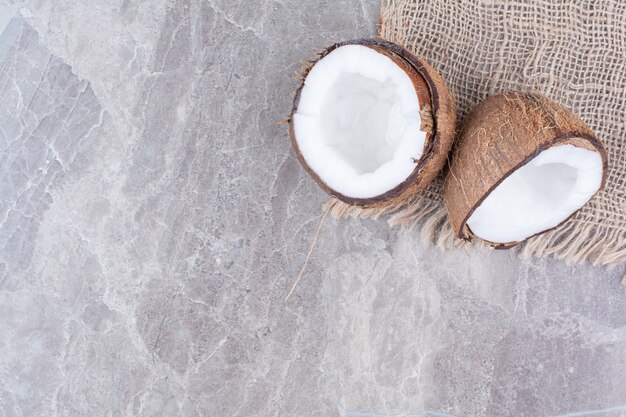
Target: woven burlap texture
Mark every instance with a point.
(573, 52)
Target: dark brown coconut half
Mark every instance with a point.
(523, 166)
(372, 123)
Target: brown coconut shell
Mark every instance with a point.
(438, 115)
(499, 136)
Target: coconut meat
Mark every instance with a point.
(539, 195)
(357, 124)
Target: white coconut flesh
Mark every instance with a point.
(357, 124)
(539, 195)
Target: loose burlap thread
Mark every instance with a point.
(573, 52)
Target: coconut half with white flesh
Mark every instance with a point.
(372, 123)
(523, 166)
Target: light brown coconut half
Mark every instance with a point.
(523, 165)
(371, 123)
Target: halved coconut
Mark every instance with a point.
(372, 123)
(523, 166)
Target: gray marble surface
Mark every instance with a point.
(153, 219)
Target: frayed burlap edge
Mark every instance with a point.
(419, 213)
(570, 242)
(575, 243)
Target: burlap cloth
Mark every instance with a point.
(572, 51)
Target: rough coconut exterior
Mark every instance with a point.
(438, 115)
(499, 136)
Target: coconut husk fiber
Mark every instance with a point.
(572, 52)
